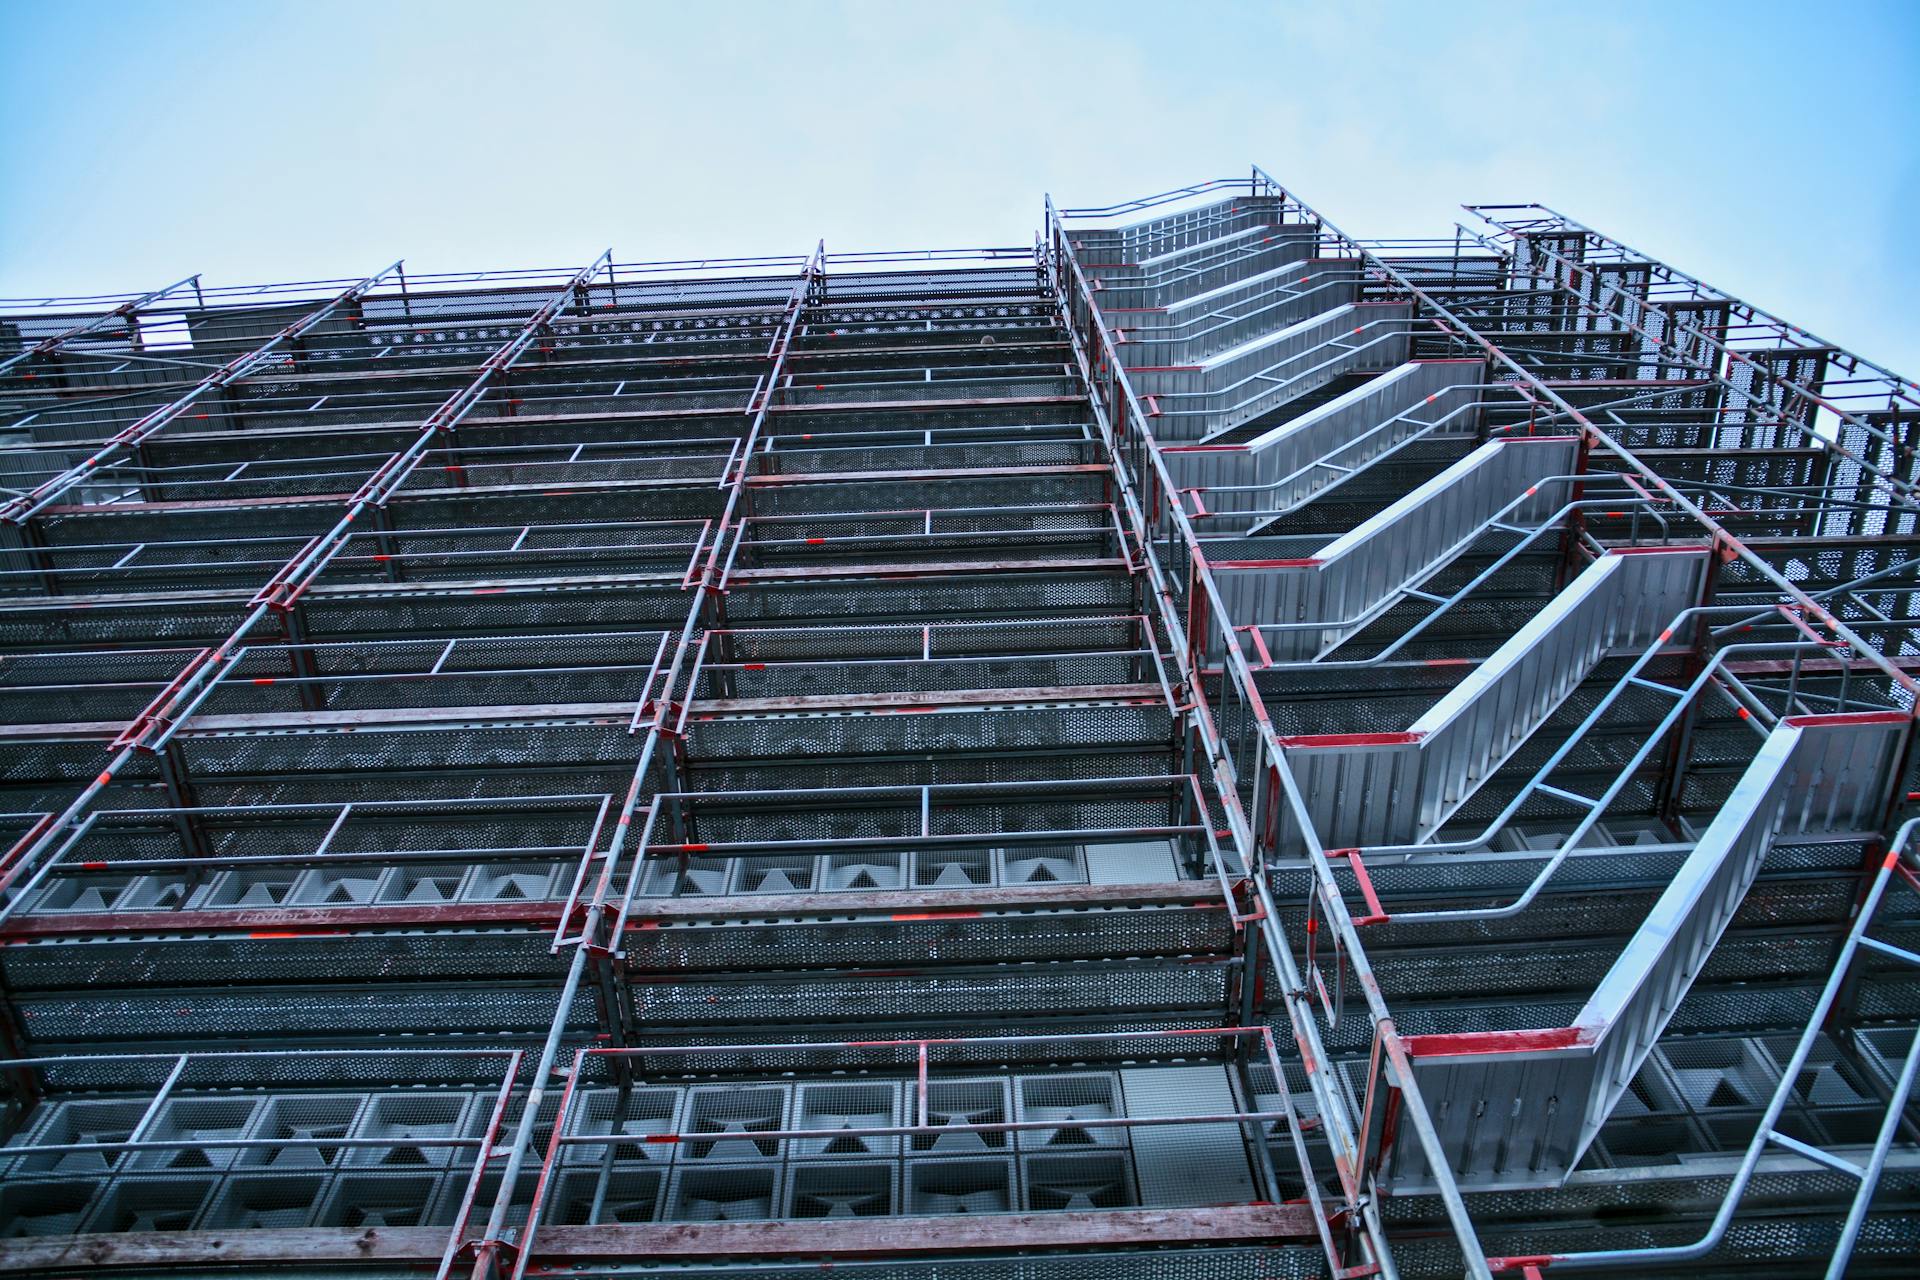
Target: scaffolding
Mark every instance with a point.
(1200, 747)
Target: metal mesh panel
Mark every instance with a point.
(1278, 1263)
(856, 1000)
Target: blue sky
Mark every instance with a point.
(1768, 148)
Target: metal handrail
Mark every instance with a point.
(1897, 862)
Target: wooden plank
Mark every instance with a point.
(823, 1238)
(928, 700)
(933, 569)
(886, 904)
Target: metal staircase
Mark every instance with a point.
(1208, 399)
(1519, 1108)
(1304, 606)
(1399, 788)
(1287, 463)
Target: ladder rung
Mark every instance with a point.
(1816, 1155)
(1568, 796)
(1657, 688)
(1888, 949)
